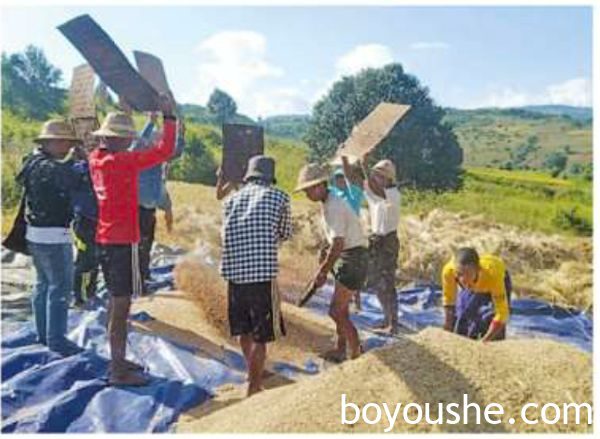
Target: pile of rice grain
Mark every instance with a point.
(433, 366)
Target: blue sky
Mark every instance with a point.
(276, 60)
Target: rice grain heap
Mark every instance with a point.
(431, 367)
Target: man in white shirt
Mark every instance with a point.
(347, 256)
(383, 198)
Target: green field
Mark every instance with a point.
(531, 200)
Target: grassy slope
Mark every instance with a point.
(526, 199)
(488, 137)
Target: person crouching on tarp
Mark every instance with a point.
(115, 172)
(482, 308)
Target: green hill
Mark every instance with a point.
(292, 126)
(518, 138)
(583, 114)
(199, 114)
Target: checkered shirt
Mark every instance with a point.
(255, 220)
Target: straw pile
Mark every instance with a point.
(431, 367)
(555, 268)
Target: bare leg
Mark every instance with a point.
(246, 345)
(340, 349)
(343, 297)
(256, 367)
(120, 369)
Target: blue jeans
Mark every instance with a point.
(52, 292)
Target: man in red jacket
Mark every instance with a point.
(115, 172)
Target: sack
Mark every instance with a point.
(15, 240)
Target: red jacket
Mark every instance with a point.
(115, 180)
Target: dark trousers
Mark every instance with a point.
(475, 312)
(86, 262)
(147, 228)
(383, 261)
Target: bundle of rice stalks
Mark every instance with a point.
(570, 285)
(431, 367)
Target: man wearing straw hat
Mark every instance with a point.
(115, 172)
(383, 198)
(256, 219)
(48, 178)
(346, 257)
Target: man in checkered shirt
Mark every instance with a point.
(256, 219)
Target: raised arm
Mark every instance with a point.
(146, 133)
(147, 158)
(180, 140)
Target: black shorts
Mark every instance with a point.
(351, 268)
(121, 269)
(254, 310)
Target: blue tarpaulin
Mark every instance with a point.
(421, 307)
(44, 392)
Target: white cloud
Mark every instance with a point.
(363, 56)
(360, 57)
(429, 45)
(281, 100)
(236, 61)
(576, 91)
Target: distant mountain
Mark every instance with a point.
(291, 126)
(577, 113)
(199, 114)
(522, 137)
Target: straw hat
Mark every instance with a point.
(386, 168)
(56, 129)
(117, 124)
(311, 175)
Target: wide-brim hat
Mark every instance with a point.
(386, 168)
(261, 167)
(312, 175)
(57, 129)
(117, 124)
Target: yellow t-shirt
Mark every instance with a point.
(490, 281)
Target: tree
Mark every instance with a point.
(425, 150)
(196, 164)
(556, 162)
(221, 106)
(30, 84)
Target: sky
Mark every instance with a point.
(281, 60)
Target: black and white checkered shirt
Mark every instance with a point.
(255, 220)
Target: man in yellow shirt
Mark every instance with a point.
(482, 308)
